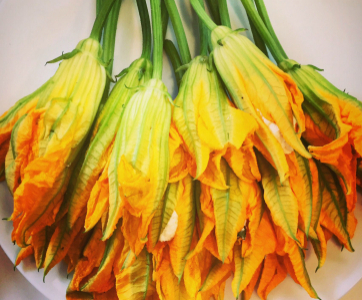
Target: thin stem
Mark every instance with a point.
(257, 38)
(224, 13)
(263, 31)
(203, 15)
(265, 17)
(157, 38)
(109, 40)
(175, 59)
(146, 28)
(179, 31)
(101, 19)
(165, 18)
(214, 11)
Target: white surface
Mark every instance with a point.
(325, 33)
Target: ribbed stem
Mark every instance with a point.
(257, 38)
(265, 17)
(214, 11)
(157, 38)
(101, 18)
(165, 18)
(204, 35)
(263, 31)
(109, 41)
(146, 28)
(224, 13)
(203, 15)
(175, 59)
(179, 31)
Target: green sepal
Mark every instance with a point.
(289, 64)
(67, 55)
(316, 68)
(239, 30)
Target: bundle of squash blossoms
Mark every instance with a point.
(146, 197)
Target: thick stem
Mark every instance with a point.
(165, 18)
(204, 35)
(98, 6)
(214, 11)
(203, 15)
(175, 59)
(101, 18)
(157, 38)
(263, 31)
(109, 42)
(224, 13)
(146, 28)
(179, 31)
(257, 38)
(265, 17)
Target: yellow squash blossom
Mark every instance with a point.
(261, 89)
(139, 167)
(100, 148)
(12, 116)
(56, 131)
(208, 123)
(335, 112)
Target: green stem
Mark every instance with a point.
(179, 31)
(263, 31)
(109, 41)
(146, 28)
(265, 17)
(101, 18)
(98, 6)
(224, 13)
(175, 59)
(214, 11)
(165, 18)
(204, 35)
(157, 38)
(203, 15)
(257, 38)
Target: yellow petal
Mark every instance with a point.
(181, 243)
(229, 210)
(136, 282)
(279, 198)
(245, 268)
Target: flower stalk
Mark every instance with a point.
(179, 31)
(224, 13)
(146, 29)
(273, 46)
(98, 25)
(175, 59)
(157, 39)
(204, 35)
(260, 5)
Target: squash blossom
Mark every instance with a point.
(208, 123)
(100, 148)
(139, 167)
(11, 117)
(48, 139)
(48, 129)
(261, 89)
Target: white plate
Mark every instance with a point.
(324, 33)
